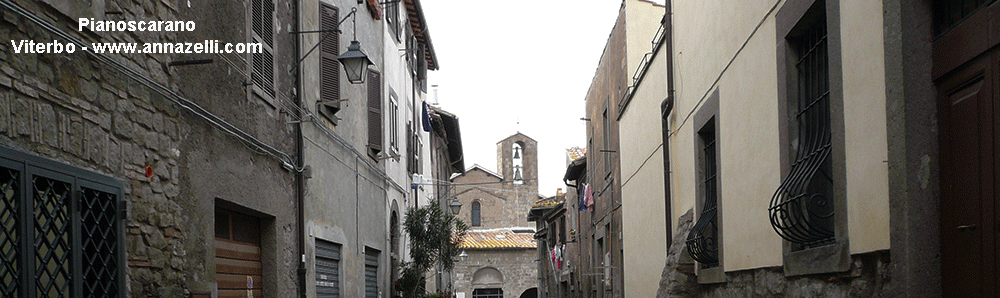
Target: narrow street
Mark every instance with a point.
(531, 149)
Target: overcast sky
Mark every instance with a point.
(527, 61)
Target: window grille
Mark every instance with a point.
(60, 230)
(801, 210)
(487, 293)
(702, 241)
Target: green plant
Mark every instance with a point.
(435, 236)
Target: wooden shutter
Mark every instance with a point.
(371, 273)
(329, 74)
(374, 113)
(327, 269)
(262, 19)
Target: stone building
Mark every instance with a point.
(500, 248)
(823, 148)
(557, 222)
(127, 162)
(146, 175)
(602, 236)
(366, 144)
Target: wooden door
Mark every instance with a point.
(967, 74)
(237, 255)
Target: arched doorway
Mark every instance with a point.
(530, 293)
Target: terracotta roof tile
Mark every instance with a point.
(497, 239)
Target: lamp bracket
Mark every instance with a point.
(353, 13)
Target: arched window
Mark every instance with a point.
(476, 213)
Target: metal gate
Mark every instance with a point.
(60, 230)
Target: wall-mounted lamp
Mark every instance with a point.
(355, 60)
(455, 206)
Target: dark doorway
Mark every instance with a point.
(967, 77)
(530, 293)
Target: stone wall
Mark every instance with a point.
(869, 277)
(517, 267)
(81, 111)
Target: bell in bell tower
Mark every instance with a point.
(518, 163)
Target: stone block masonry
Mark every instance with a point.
(76, 110)
(869, 277)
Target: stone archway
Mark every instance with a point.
(530, 293)
(487, 276)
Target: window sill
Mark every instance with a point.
(832, 258)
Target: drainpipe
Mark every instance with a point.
(665, 108)
(300, 182)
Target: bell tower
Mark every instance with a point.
(517, 161)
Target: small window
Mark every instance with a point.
(476, 214)
(393, 122)
(487, 293)
(703, 242)
(392, 19)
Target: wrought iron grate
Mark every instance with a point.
(702, 241)
(52, 237)
(9, 237)
(99, 215)
(59, 236)
(801, 210)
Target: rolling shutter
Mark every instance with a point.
(371, 273)
(329, 66)
(374, 113)
(327, 269)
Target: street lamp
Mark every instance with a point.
(455, 206)
(355, 62)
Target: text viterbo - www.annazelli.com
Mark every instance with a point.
(206, 47)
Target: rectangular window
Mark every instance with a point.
(54, 218)
(702, 242)
(329, 67)
(803, 203)
(487, 293)
(606, 146)
(392, 19)
(393, 122)
(374, 113)
(327, 269)
(261, 25)
(371, 272)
